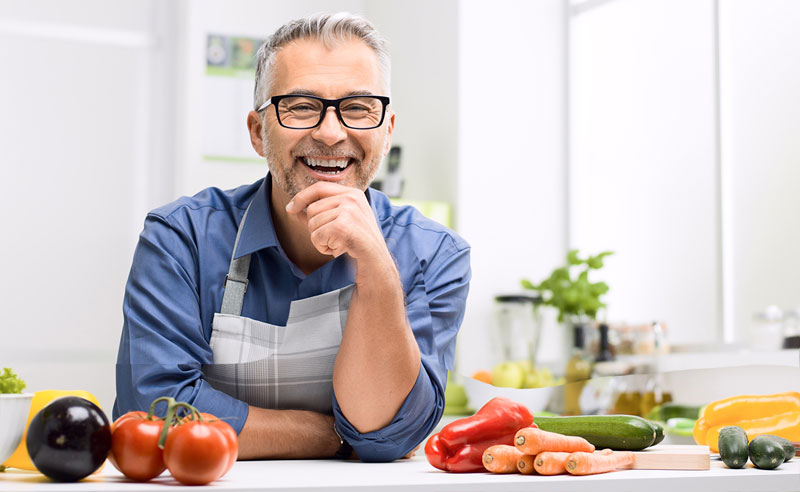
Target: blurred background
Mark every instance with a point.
(665, 131)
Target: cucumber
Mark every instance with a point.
(733, 446)
(668, 411)
(659, 431)
(618, 432)
(766, 454)
(788, 447)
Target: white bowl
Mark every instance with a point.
(479, 393)
(14, 410)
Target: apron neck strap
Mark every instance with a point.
(236, 280)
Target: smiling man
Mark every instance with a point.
(305, 309)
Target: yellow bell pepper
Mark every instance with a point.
(20, 458)
(777, 414)
(786, 425)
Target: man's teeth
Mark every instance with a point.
(338, 163)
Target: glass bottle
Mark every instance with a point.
(578, 371)
(604, 351)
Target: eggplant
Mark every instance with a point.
(69, 439)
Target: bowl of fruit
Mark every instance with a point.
(519, 381)
(14, 408)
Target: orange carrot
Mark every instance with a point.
(591, 463)
(501, 458)
(551, 463)
(531, 440)
(525, 464)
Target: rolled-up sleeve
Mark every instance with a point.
(163, 347)
(435, 304)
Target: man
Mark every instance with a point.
(304, 309)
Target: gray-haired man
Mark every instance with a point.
(305, 307)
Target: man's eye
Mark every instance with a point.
(302, 108)
(356, 108)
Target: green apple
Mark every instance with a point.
(508, 375)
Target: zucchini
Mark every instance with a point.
(659, 431)
(766, 454)
(668, 411)
(733, 446)
(788, 447)
(618, 432)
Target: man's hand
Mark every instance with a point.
(340, 221)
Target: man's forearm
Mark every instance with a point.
(378, 360)
(287, 434)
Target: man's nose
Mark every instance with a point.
(330, 131)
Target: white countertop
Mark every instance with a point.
(417, 474)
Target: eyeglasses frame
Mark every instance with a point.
(326, 103)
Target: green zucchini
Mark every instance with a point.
(733, 446)
(788, 447)
(659, 431)
(618, 432)
(766, 453)
(668, 411)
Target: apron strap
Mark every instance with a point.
(236, 280)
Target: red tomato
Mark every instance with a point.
(228, 432)
(134, 446)
(196, 453)
(122, 418)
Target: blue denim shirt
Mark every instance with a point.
(176, 284)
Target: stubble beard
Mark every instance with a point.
(292, 182)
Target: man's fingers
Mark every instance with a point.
(319, 219)
(317, 191)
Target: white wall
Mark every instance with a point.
(760, 77)
(643, 161)
(76, 161)
(511, 182)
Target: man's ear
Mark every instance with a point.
(255, 128)
(389, 129)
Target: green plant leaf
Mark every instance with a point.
(572, 257)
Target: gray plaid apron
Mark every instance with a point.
(270, 366)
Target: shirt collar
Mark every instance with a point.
(258, 231)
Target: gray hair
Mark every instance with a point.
(331, 29)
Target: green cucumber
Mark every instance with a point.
(659, 431)
(766, 454)
(733, 446)
(788, 447)
(618, 432)
(668, 411)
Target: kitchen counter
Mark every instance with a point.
(416, 474)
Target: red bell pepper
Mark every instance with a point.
(460, 445)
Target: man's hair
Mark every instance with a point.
(331, 29)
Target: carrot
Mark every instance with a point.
(531, 440)
(525, 464)
(501, 458)
(551, 463)
(591, 463)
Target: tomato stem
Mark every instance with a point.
(171, 418)
(152, 411)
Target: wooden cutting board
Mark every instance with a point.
(673, 457)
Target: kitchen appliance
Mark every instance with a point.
(516, 328)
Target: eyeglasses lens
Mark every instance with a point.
(306, 112)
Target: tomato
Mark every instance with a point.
(196, 453)
(123, 418)
(134, 446)
(227, 431)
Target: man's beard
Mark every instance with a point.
(292, 180)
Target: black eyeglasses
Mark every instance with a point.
(304, 112)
